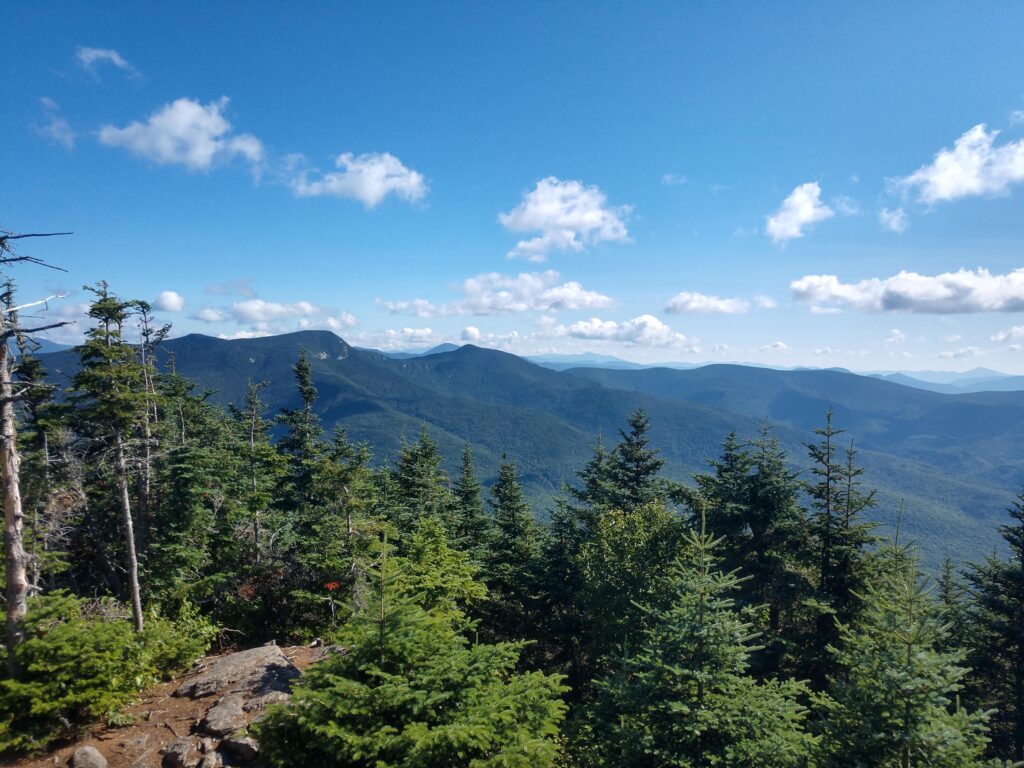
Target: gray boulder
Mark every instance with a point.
(88, 757)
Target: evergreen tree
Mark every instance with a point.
(411, 692)
(596, 490)
(110, 400)
(893, 700)
(683, 697)
(634, 466)
(421, 488)
(997, 626)
(474, 531)
(302, 441)
(840, 542)
(509, 572)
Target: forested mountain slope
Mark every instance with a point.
(952, 459)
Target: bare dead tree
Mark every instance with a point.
(15, 555)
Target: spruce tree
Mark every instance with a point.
(110, 400)
(411, 692)
(894, 697)
(634, 466)
(510, 569)
(302, 441)
(474, 531)
(683, 696)
(997, 629)
(421, 488)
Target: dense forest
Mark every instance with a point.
(753, 617)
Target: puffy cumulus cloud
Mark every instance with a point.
(799, 211)
(368, 178)
(966, 290)
(186, 133)
(495, 294)
(471, 333)
(210, 315)
(776, 346)
(1010, 334)
(894, 220)
(396, 339)
(974, 166)
(645, 331)
(169, 301)
(569, 217)
(90, 59)
(692, 302)
(56, 128)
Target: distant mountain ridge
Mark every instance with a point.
(953, 459)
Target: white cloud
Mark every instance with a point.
(471, 333)
(776, 346)
(962, 354)
(846, 206)
(894, 220)
(801, 210)
(90, 58)
(169, 301)
(397, 339)
(187, 133)
(761, 301)
(674, 180)
(896, 336)
(645, 330)
(974, 166)
(367, 178)
(1010, 334)
(57, 128)
(569, 217)
(260, 310)
(687, 302)
(963, 291)
(495, 294)
(1017, 117)
(210, 315)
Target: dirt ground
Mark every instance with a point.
(159, 718)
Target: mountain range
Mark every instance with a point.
(951, 461)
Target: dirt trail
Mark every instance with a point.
(159, 718)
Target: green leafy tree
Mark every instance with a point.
(683, 697)
(997, 629)
(893, 700)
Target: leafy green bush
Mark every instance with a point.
(82, 661)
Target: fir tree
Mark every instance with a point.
(509, 572)
(683, 697)
(302, 441)
(474, 531)
(893, 700)
(634, 466)
(410, 691)
(421, 487)
(997, 625)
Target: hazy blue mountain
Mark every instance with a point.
(953, 459)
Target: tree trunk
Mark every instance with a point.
(14, 549)
(129, 537)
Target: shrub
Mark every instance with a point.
(82, 661)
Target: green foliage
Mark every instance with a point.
(893, 700)
(410, 690)
(83, 661)
(683, 697)
(997, 630)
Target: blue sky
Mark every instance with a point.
(799, 184)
